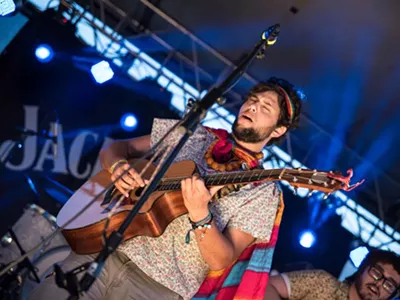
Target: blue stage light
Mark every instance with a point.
(358, 254)
(307, 238)
(44, 53)
(129, 122)
(102, 72)
(6, 7)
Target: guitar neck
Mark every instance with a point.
(225, 178)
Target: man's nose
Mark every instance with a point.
(253, 108)
(379, 285)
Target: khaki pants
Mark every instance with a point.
(120, 279)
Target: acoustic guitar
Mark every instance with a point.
(85, 233)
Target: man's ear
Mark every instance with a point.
(278, 132)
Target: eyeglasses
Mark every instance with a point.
(387, 284)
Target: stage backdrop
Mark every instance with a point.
(34, 95)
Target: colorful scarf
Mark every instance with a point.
(248, 276)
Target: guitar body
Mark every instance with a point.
(84, 234)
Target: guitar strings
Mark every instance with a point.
(122, 197)
(116, 206)
(174, 182)
(109, 215)
(249, 173)
(47, 239)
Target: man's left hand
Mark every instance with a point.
(196, 197)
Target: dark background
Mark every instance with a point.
(343, 54)
(66, 85)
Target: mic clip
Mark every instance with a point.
(30, 132)
(69, 280)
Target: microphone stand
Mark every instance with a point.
(23, 134)
(69, 280)
(12, 276)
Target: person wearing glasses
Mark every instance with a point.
(377, 278)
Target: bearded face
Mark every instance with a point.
(251, 134)
(377, 282)
(257, 118)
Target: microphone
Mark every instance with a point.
(271, 34)
(54, 133)
(30, 132)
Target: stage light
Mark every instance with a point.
(44, 53)
(102, 72)
(129, 122)
(358, 254)
(6, 7)
(307, 238)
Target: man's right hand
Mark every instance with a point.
(129, 181)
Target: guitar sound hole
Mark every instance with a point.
(138, 191)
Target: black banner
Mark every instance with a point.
(34, 95)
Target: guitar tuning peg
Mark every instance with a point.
(310, 193)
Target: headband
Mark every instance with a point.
(289, 103)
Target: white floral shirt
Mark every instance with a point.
(180, 266)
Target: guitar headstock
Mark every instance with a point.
(326, 182)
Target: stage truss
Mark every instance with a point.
(91, 28)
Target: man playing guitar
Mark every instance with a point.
(221, 222)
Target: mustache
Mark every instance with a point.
(375, 286)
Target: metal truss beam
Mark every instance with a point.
(355, 218)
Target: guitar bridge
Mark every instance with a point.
(112, 193)
(109, 196)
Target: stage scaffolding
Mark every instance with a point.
(114, 43)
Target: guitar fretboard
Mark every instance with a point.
(224, 178)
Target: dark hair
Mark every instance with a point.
(273, 84)
(374, 257)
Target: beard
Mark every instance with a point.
(362, 291)
(250, 135)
